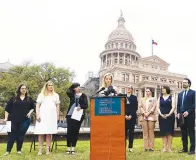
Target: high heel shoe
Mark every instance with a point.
(48, 150)
(40, 151)
(163, 150)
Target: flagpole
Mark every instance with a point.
(152, 47)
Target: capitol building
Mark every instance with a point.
(128, 67)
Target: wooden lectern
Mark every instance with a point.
(107, 132)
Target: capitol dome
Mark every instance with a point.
(120, 33)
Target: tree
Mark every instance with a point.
(34, 76)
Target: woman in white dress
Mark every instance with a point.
(47, 113)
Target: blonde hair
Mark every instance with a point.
(44, 89)
(107, 74)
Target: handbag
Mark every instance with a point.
(180, 121)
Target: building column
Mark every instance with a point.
(140, 78)
(155, 93)
(124, 59)
(118, 58)
(145, 91)
(101, 62)
(106, 59)
(112, 59)
(139, 94)
(130, 77)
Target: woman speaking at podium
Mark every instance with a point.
(108, 89)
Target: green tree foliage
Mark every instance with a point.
(34, 76)
(2, 111)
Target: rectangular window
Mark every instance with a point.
(127, 77)
(123, 77)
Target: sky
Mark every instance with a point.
(72, 34)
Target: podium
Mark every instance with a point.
(107, 133)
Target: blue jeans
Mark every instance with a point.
(18, 131)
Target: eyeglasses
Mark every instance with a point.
(147, 91)
(50, 85)
(23, 88)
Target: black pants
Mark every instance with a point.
(188, 129)
(73, 128)
(129, 130)
(18, 131)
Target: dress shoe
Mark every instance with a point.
(191, 153)
(183, 151)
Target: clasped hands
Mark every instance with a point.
(146, 114)
(165, 115)
(128, 117)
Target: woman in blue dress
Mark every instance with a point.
(166, 107)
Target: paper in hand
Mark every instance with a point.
(77, 114)
(8, 126)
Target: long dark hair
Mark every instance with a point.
(18, 93)
(70, 90)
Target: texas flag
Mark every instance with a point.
(155, 43)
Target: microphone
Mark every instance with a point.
(110, 90)
(101, 89)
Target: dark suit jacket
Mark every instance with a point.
(189, 102)
(130, 109)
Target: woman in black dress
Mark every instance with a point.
(18, 111)
(166, 107)
(79, 101)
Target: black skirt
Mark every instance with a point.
(167, 125)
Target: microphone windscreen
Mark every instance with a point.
(102, 88)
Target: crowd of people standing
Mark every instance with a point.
(20, 107)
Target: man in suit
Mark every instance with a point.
(186, 109)
(131, 108)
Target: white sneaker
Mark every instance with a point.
(130, 150)
(6, 153)
(19, 152)
(73, 152)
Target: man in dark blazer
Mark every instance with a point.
(131, 107)
(186, 111)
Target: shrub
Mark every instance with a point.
(2, 112)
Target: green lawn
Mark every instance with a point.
(83, 152)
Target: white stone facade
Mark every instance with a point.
(129, 68)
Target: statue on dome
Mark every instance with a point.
(121, 13)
